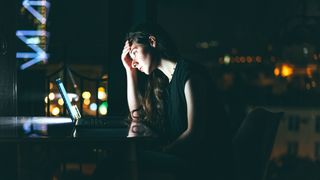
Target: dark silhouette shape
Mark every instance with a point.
(253, 142)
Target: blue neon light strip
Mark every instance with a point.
(23, 33)
(32, 62)
(39, 54)
(28, 5)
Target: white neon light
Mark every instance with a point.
(28, 5)
(35, 40)
(39, 54)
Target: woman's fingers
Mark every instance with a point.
(126, 49)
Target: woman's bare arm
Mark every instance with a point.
(134, 102)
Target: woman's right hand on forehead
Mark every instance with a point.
(125, 57)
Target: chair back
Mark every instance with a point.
(253, 143)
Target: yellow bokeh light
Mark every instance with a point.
(276, 71)
(86, 102)
(55, 111)
(51, 96)
(286, 70)
(86, 95)
(46, 99)
(227, 59)
(60, 101)
(101, 89)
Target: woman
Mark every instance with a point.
(178, 104)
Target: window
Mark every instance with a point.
(292, 148)
(317, 124)
(317, 150)
(293, 123)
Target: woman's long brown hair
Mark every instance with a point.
(152, 111)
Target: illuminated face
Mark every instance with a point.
(141, 59)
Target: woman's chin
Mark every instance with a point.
(147, 72)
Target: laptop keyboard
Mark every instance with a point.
(93, 122)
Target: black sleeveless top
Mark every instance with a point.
(210, 110)
(215, 147)
(175, 102)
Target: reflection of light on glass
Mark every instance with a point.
(86, 95)
(93, 107)
(48, 120)
(60, 101)
(27, 126)
(51, 96)
(103, 109)
(46, 99)
(55, 111)
(86, 102)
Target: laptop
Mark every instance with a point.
(111, 126)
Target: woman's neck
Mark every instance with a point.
(167, 67)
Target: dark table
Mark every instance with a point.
(33, 147)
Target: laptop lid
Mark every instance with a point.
(72, 109)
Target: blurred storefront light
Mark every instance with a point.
(60, 101)
(55, 111)
(286, 70)
(93, 107)
(86, 95)
(103, 109)
(51, 96)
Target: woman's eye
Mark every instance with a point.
(133, 53)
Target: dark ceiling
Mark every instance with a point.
(93, 31)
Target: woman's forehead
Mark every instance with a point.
(135, 45)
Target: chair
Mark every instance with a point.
(253, 142)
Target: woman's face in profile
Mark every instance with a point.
(141, 59)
